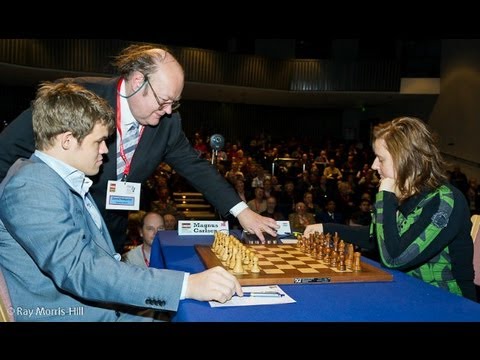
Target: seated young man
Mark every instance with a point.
(57, 256)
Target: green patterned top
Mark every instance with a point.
(427, 236)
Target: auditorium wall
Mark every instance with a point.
(456, 114)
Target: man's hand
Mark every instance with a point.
(387, 184)
(310, 229)
(257, 224)
(213, 284)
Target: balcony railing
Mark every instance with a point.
(211, 67)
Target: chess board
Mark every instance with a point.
(286, 264)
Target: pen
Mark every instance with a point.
(286, 235)
(263, 294)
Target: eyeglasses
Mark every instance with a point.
(154, 229)
(162, 103)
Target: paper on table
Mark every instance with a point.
(288, 241)
(252, 300)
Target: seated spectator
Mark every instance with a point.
(300, 218)
(260, 178)
(268, 188)
(312, 208)
(170, 221)
(240, 188)
(133, 235)
(363, 216)
(287, 199)
(330, 215)
(271, 211)
(258, 204)
(164, 202)
(275, 185)
(151, 223)
(333, 175)
(234, 173)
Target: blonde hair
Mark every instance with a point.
(65, 106)
(415, 154)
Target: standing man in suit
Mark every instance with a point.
(146, 94)
(57, 255)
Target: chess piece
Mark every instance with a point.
(326, 256)
(215, 242)
(328, 240)
(255, 269)
(233, 258)
(227, 255)
(356, 261)
(349, 260)
(246, 259)
(335, 243)
(341, 247)
(238, 269)
(319, 252)
(341, 264)
(333, 259)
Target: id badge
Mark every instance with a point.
(122, 195)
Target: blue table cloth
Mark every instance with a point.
(404, 299)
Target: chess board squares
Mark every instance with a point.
(318, 266)
(273, 271)
(285, 266)
(295, 262)
(305, 258)
(275, 259)
(279, 271)
(266, 253)
(264, 263)
(296, 252)
(285, 256)
(308, 270)
(287, 247)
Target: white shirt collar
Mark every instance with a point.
(127, 117)
(72, 176)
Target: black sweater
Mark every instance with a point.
(455, 236)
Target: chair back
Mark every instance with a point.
(476, 247)
(5, 303)
(475, 226)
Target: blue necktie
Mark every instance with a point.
(130, 141)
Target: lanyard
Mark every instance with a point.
(119, 129)
(147, 262)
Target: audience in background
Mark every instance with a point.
(258, 204)
(421, 223)
(300, 218)
(170, 221)
(271, 210)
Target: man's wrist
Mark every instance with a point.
(237, 209)
(184, 286)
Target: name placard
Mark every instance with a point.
(284, 227)
(195, 227)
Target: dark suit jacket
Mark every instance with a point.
(323, 217)
(164, 142)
